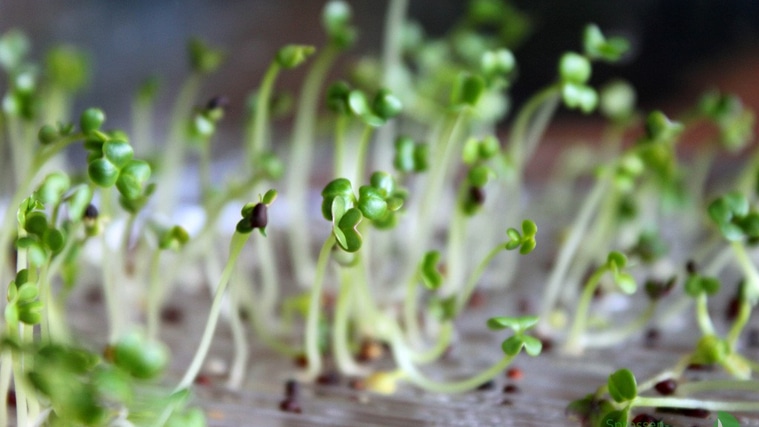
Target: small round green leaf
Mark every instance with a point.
(118, 152)
(102, 172)
(622, 386)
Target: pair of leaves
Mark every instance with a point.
(410, 156)
(615, 264)
(23, 303)
(513, 345)
(525, 241)
(598, 47)
(734, 217)
(111, 162)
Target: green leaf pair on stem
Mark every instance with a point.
(525, 240)
(513, 345)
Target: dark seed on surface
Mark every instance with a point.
(641, 419)
(488, 385)
(292, 389)
(290, 405)
(10, 398)
(652, 337)
(510, 388)
(694, 413)
(203, 380)
(328, 378)
(172, 314)
(515, 374)
(218, 101)
(666, 387)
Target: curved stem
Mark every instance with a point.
(702, 315)
(302, 149)
(362, 153)
(235, 247)
(616, 336)
(686, 403)
(155, 297)
(575, 340)
(437, 350)
(258, 135)
(410, 372)
(523, 138)
(240, 360)
(174, 151)
(569, 248)
(340, 346)
(700, 386)
(471, 284)
(313, 356)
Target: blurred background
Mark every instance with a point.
(680, 47)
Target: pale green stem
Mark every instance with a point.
(575, 342)
(411, 312)
(410, 372)
(155, 297)
(749, 294)
(240, 360)
(675, 372)
(475, 276)
(701, 386)
(702, 315)
(616, 336)
(311, 342)
(142, 125)
(341, 127)
(528, 127)
(235, 247)
(569, 248)
(174, 151)
(268, 267)
(6, 372)
(361, 154)
(301, 153)
(456, 257)
(340, 345)
(441, 345)
(686, 403)
(257, 138)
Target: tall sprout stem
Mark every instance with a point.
(530, 124)
(362, 153)
(235, 247)
(240, 360)
(340, 333)
(301, 152)
(311, 344)
(571, 244)
(259, 131)
(174, 151)
(575, 342)
(404, 359)
(751, 290)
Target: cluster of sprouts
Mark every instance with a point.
(424, 197)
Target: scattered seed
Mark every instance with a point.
(699, 367)
(172, 314)
(644, 419)
(687, 412)
(652, 337)
(370, 351)
(218, 101)
(10, 398)
(301, 361)
(94, 295)
(510, 388)
(488, 385)
(357, 384)
(691, 267)
(203, 380)
(290, 405)
(666, 387)
(477, 299)
(547, 344)
(514, 374)
(329, 378)
(292, 389)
